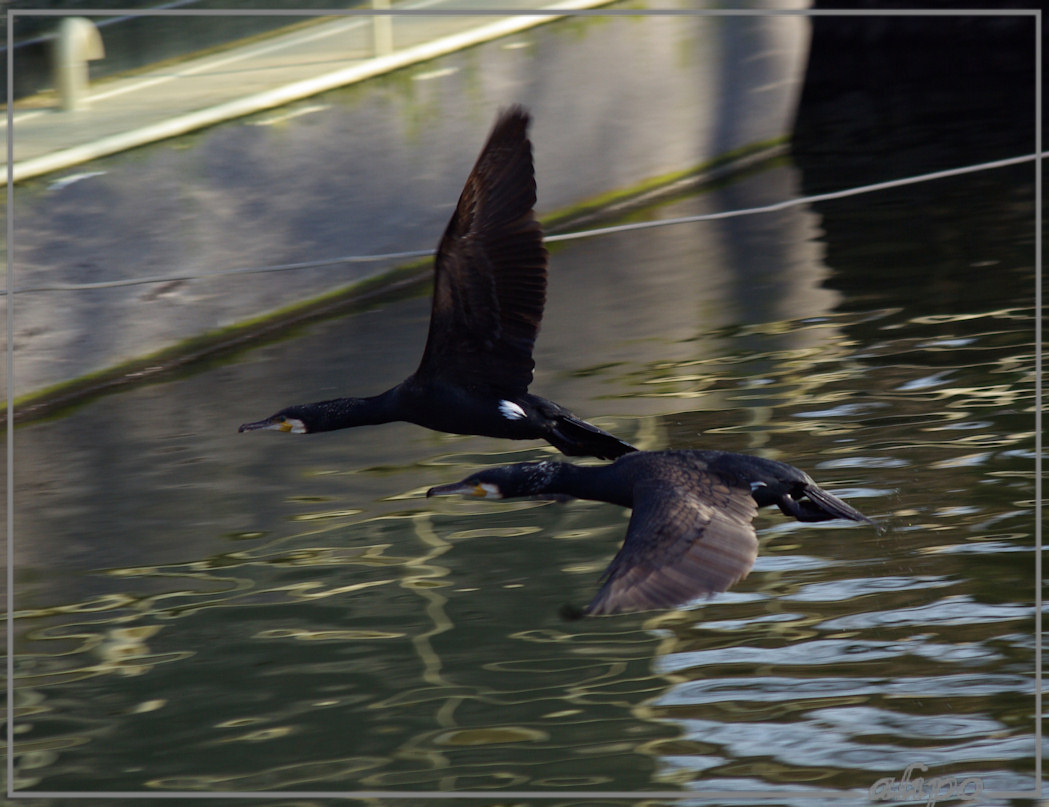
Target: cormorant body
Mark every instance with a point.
(488, 297)
(690, 533)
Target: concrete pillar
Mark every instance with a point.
(78, 43)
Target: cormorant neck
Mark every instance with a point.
(345, 413)
(587, 482)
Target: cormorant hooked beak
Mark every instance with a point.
(480, 490)
(277, 422)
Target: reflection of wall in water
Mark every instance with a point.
(694, 289)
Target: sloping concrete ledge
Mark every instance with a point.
(621, 105)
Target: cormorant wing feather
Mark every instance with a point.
(490, 270)
(682, 542)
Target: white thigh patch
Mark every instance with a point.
(511, 411)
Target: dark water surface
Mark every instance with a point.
(201, 610)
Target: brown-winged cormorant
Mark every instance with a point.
(488, 293)
(690, 531)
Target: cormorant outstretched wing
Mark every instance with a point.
(683, 541)
(490, 270)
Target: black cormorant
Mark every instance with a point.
(690, 531)
(488, 293)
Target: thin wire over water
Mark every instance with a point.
(599, 231)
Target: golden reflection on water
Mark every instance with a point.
(505, 723)
(546, 695)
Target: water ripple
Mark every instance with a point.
(954, 610)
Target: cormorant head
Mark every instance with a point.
(506, 482)
(294, 419)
